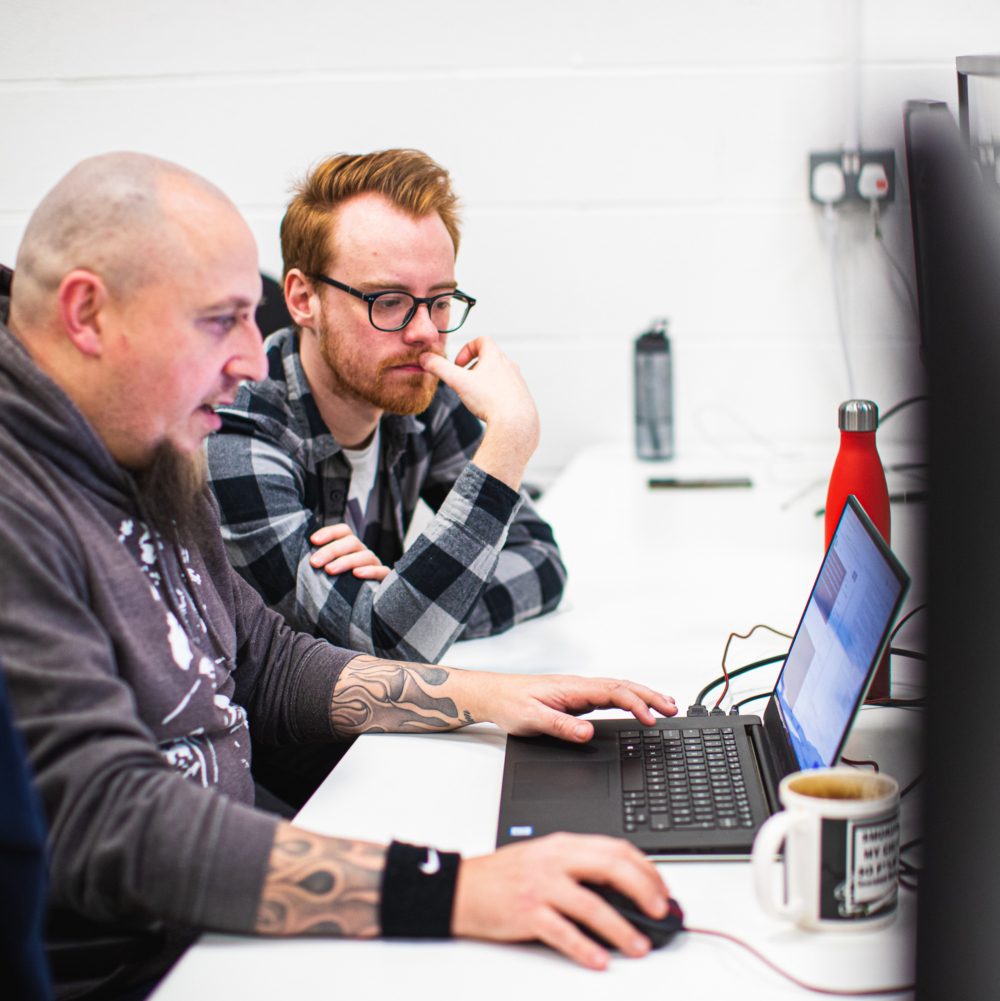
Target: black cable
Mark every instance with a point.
(700, 699)
(859, 763)
(909, 788)
(886, 414)
(749, 698)
(906, 618)
(904, 467)
(909, 874)
(725, 653)
(912, 654)
(896, 703)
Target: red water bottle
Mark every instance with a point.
(858, 470)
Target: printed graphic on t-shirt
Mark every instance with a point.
(192, 754)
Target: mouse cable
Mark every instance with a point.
(700, 699)
(805, 985)
(742, 636)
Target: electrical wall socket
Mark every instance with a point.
(863, 175)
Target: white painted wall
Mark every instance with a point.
(617, 161)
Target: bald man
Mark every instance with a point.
(135, 656)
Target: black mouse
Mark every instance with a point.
(659, 931)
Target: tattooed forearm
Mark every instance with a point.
(376, 696)
(320, 886)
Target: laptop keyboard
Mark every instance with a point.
(682, 780)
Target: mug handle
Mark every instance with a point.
(769, 839)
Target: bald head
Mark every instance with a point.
(115, 215)
(134, 291)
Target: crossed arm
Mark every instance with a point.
(329, 886)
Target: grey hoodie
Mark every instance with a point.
(133, 667)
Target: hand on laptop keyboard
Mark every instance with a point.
(531, 705)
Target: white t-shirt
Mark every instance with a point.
(364, 467)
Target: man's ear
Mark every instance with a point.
(301, 299)
(81, 298)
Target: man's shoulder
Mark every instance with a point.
(271, 407)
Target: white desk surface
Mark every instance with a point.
(658, 579)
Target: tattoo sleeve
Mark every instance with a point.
(378, 696)
(317, 885)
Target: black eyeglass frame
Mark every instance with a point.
(372, 297)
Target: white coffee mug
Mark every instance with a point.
(840, 829)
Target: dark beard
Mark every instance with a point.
(169, 492)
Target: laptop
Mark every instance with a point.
(701, 786)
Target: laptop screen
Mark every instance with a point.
(846, 619)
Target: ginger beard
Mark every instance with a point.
(352, 374)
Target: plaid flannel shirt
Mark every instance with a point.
(485, 562)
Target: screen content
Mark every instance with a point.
(838, 639)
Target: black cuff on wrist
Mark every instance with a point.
(418, 891)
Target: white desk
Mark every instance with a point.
(658, 578)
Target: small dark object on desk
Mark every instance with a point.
(709, 483)
(904, 497)
(659, 931)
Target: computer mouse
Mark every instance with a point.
(659, 931)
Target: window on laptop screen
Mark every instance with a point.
(836, 643)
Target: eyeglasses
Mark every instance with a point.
(390, 311)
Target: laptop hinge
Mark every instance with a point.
(770, 774)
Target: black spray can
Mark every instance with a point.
(654, 403)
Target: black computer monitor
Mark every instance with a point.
(956, 223)
(979, 112)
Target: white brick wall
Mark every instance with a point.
(616, 161)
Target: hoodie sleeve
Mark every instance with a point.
(130, 837)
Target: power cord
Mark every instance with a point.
(724, 679)
(737, 706)
(698, 708)
(912, 654)
(897, 267)
(891, 703)
(726, 674)
(906, 618)
(895, 408)
(861, 763)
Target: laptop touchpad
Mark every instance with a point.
(561, 779)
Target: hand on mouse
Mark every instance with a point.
(533, 891)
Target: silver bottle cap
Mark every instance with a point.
(858, 415)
